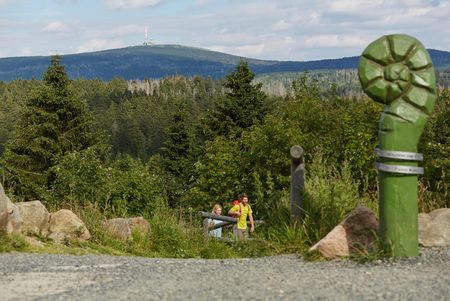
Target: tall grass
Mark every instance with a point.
(329, 195)
(12, 242)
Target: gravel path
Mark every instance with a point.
(91, 277)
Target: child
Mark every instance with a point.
(241, 211)
(217, 210)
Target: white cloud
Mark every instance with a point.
(265, 29)
(5, 2)
(126, 30)
(55, 26)
(27, 51)
(249, 51)
(281, 25)
(67, 1)
(99, 44)
(333, 40)
(360, 6)
(202, 2)
(115, 4)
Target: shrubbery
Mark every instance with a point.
(211, 152)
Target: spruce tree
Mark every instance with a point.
(178, 144)
(243, 105)
(54, 123)
(178, 153)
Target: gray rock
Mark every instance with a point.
(357, 233)
(10, 219)
(35, 217)
(434, 228)
(123, 228)
(64, 224)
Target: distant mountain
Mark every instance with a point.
(157, 61)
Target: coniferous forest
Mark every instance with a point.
(167, 148)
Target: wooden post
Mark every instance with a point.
(297, 182)
(220, 225)
(205, 228)
(223, 218)
(226, 220)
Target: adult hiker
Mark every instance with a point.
(217, 210)
(240, 211)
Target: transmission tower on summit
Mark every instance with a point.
(147, 41)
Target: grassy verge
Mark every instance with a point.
(329, 196)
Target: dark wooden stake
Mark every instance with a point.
(297, 182)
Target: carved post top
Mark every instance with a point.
(396, 70)
(398, 67)
(297, 153)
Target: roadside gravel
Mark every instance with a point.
(287, 277)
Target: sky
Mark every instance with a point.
(296, 30)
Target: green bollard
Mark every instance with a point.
(397, 71)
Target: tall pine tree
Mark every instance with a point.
(178, 152)
(243, 105)
(54, 123)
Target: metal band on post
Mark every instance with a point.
(401, 169)
(399, 155)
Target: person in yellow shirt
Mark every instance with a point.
(241, 211)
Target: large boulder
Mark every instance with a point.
(64, 224)
(434, 228)
(35, 217)
(123, 228)
(357, 233)
(10, 219)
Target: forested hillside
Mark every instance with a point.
(340, 82)
(159, 61)
(185, 143)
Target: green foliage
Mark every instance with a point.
(172, 238)
(258, 161)
(219, 175)
(179, 152)
(287, 239)
(120, 187)
(345, 129)
(179, 144)
(136, 122)
(12, 99)
(53, 124)
(435, 145)
(242, 106)
(81, 177)
(9, 243)
(133, 189)
(343, 82)
(306, 88)
(101, 181)
(330, 195)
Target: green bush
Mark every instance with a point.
(330, 195)
(435, 144)
(120, 187)
(81, 178)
